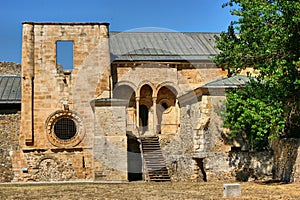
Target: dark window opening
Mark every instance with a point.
(65, 128)
(165, 106)
(64, 55)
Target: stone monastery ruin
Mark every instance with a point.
(134, 106)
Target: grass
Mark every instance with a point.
(141, 190)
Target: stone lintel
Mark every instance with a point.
(108, 102)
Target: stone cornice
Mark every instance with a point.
(67, 23)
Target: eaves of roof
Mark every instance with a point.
(216, 87)
(237, 81)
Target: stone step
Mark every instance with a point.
(154, 160)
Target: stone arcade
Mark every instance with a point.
(134, 106)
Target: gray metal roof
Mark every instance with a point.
(10, 89)
(162, 46)
(232, 82)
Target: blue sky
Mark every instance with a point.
(123, 15)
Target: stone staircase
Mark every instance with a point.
(154, 162)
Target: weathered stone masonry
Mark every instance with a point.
(9, 143)
(66, 95)
(86, 123)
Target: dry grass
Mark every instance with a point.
(141, 190)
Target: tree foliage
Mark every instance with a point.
(266, 37)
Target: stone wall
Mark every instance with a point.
(203, 151)
(178, 149)
(110, 142)
(239, 165)
(234, 165)
(9, 142)
(199, 132)
(227, 158)
(224, 157)
(57, 165)
(10, 69)
(286, 159)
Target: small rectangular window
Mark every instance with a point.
(64, 54)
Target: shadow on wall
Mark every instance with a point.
(280, 163)
(251, 165)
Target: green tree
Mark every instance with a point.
(266, 37)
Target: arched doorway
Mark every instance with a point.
(167, 110)
(144, 114)
(145, 107)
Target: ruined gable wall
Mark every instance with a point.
(47, 89)
(51, 88)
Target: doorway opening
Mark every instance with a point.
(144, 112)
(200, 163)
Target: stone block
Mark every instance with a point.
(201, 147)
(231, 190)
